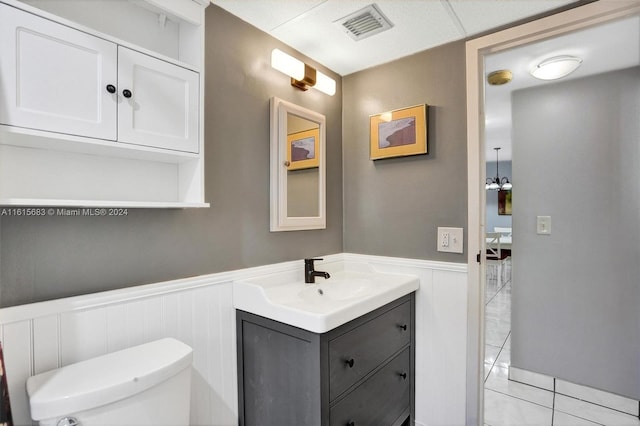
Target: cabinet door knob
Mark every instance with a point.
(111, 88)
(350, 362)
(403, 375)
(403, 327)
(126, 93)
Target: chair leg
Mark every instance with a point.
(506, 270)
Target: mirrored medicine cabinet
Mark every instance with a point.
(298, 164)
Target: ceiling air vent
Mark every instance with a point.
(365, 22)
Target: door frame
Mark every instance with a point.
(565, 22)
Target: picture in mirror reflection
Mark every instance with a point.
(303, 174)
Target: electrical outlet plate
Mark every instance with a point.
(450, 240)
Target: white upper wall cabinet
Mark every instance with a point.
(54, 78)
(160, 105)
(82, 103)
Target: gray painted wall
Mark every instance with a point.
(50, 257)
(492, 216)
(393, 207)
(576, 292)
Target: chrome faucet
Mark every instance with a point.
(310, 274)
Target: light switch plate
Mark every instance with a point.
(450, 240)
(543, 225)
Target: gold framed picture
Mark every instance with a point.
(398, 133)
(303, 151)
(504, 202)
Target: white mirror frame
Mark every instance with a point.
(280, 221)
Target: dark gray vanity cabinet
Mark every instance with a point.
(359, 374)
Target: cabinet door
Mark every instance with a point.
(161, 109)
(55, 78)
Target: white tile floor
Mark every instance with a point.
(509, 403)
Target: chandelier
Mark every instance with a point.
(496, 183)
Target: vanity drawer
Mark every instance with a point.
(380, 400)
(358, 352)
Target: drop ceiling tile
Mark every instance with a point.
(308, 25)
(418, 25)
(267, 14)
(480, 15)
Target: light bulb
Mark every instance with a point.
(325, 84)
(287, 64)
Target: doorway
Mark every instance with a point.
(479, 53)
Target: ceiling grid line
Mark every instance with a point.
(299, 16)
(454, 17)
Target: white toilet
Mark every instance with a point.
(147, 385)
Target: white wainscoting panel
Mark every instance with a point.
(196, 311)
(46, 343)
(447, 398)
(199, 312)
(18, 361)
(441, 336)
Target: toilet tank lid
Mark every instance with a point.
(106, 379)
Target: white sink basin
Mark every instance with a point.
(325, 305)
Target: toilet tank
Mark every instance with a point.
(140, 386)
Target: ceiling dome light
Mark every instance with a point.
(556, 67)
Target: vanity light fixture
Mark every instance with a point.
(556, 67)
(302, 75)
(496, 183)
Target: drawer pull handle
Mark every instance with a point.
(350, 362)
(403, 375)
(403, 327)
(351, 423)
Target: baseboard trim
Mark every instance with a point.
(572, 390)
